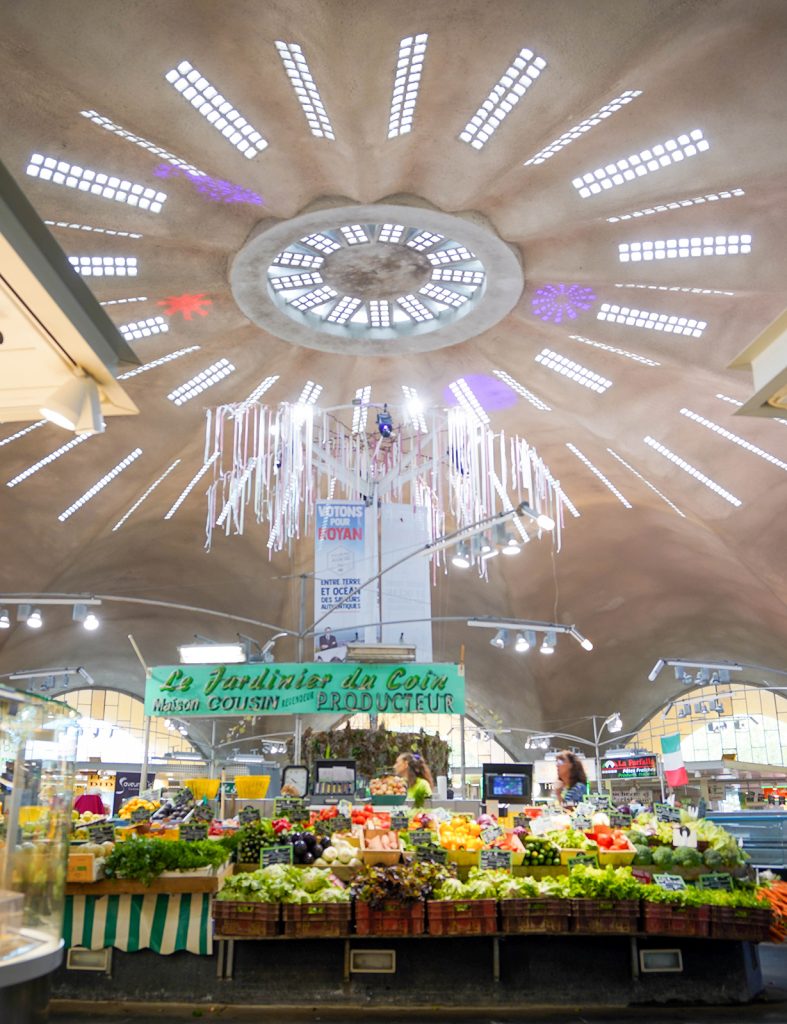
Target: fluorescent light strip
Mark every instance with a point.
(597, 472)
(157, 362)
(679, 204)
(409, 65)
(298, 259)
(305, 89)
(639, 164)
(104, 266)
(647, 483)
(259, 391)
(675, 288)
(379, 313)
(144, 328)
(464, 395)
(201, 382)
(424, 240)
(291, 281)
(445, 296)
(343, 310)
(584, 126)
(191, 484)
(49, 458)
(95, 183)
(616, 351)
(734, 438)
(88, 227)
(415, 309)
(21, 433)
(110, 126)
(681, 248)
(321, 242)
(555, 483)
(474, 277)
(122, 302)
(735, 402)
(517, 387)
(361, 412)
(415, 409)
(310, 393)
(692, 471)
(651, 321)
(574, 371)
(216, 110)
(354, 234)
(391, 233)
(99, 485)
(147, 493)
(313, 299)
(506, 93)
(456, 254)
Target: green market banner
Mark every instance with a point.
(304, 689)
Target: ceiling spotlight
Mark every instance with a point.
(499, 639)
(488, 549)
(653, 674)
(461, 558)
(385, 422)
(35, 619)
(614, 723)
(512, 546)
(92, 622)
(548, 643)
(76, 405)
(545, 522)
(5, 619)
(522, 643)
(582, 640)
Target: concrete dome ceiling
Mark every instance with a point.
(684, 571)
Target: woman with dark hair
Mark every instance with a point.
(415, 770)
(572, 782)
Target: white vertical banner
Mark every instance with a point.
(406, 589)
(345, 547)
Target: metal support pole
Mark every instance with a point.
(297, 754)
(143, 778)
(463, 757)
(212, 773)
(302, 616)
(596, 738)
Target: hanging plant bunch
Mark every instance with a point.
(374, 750)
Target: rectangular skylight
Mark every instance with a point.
(639, 164)
(110, 126)
(99, 485)
(216, 110)
(391, 233)
(597, 472)
(574, 371)
(445, 296)
(321, 242)
(147, 494)
(298, 259)
(651, 321)
(88, 227)
(675, 288)
(343, 310)
(310, 393)
(305, 89)
(259, 391)
(506, 93)
(21, 433)
(191, 485)
(95, 183)
(379, 313)
(122, 302)
(409, 65)
(584, 126)
(290, 281)
(414, 308)
(647, 483)
(679, 204)
(104, 266)
(456, 254)
(414, 409)
(520, 390)
(676, 460)
(313, 299)
(474, 277)
(157, 362)
(424, 240)
(681, 248)
(201, 382)
(31, 470)
(361, 411)
(144, 328)
(468, 401)
(734, 438)
(616, 351)
(354, 234)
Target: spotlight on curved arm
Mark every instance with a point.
(526, 629)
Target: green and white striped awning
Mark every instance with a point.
(163, 923)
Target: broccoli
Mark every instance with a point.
(643, 856)
(663, 856)
(687, 857)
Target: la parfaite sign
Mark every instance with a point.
(304, 689)
(643, 766)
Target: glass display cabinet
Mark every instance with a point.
(37, 759)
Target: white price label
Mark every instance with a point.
(684, 835)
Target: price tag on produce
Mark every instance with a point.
(276, 855)
(101, 833)
(339, 823)
(522, 821)
(247, 815)
(399, 821)
(494, 859)
(491, 832)
(601, 801)
(672, 882)
(193, 832)
(346, 808)
(542, 824)
(433, 854)
(619, 819)
(716, 880)
(202, 812)
(582, 822)
(684, 835)
(291, 807)
(421, 836)
(140, 815)
(441, 814)
(588, 859)
(666, 813)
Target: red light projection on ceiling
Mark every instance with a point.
(186, 304)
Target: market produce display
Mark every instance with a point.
(279, 883)
(145, 859)
(388, 785)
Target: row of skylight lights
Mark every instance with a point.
(123, 302)
(100, 484)
(305, 89)
(639, 164)
(147, 494)
(110, 126)
(361, 411)
(676, 460)
(415, 309)
(424, 240)
(616, 351)
(681, 248)
(310, 393)
(675, 288)
(88, 227)
(354, 234)
(474, 277)
(651, 321)
(379, 313)
(153, 364)
(679, 204)
(313, 299)
(298, 259)
(574, 371)
(22, 432)
(734, 438)
(104, 266)
(95, 183)
(42, 463)
(521, 390)
(456, 254)
(735, 402)
(414, 409)
(506, 93)
(321, 242)
(144, 328)
(584, 126)
(391, 233)
(343, 310)
(191, 485)
(291, 281)
(597, 472)
(201, 382)
(409, 65)
(647, 483)
(464, 395)
(259, 391)
(444, 296)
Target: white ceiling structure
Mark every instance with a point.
(617, 171)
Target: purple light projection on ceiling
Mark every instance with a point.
(554, 302)
(490, 392)
(215, 189)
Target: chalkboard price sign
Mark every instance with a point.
(666, 813)
(293, 808)
(193, 832)
(422, 837)
(202, 812)
(672, 882)
(434, 854)
(600, 800)
(140, 815)
(716, 880)
(491, 832)
(276, 855)
(618, 819)
(101, 833)
(492, 859)
(339, 823)
(399, 821)
(581, 822)
(588, 859)
(522, 821)
(247, 815)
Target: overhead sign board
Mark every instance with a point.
(640, 766)
(293, 688)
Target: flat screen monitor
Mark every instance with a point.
(508, 783)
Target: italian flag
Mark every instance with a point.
(674, 769)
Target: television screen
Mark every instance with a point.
(508, 785)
